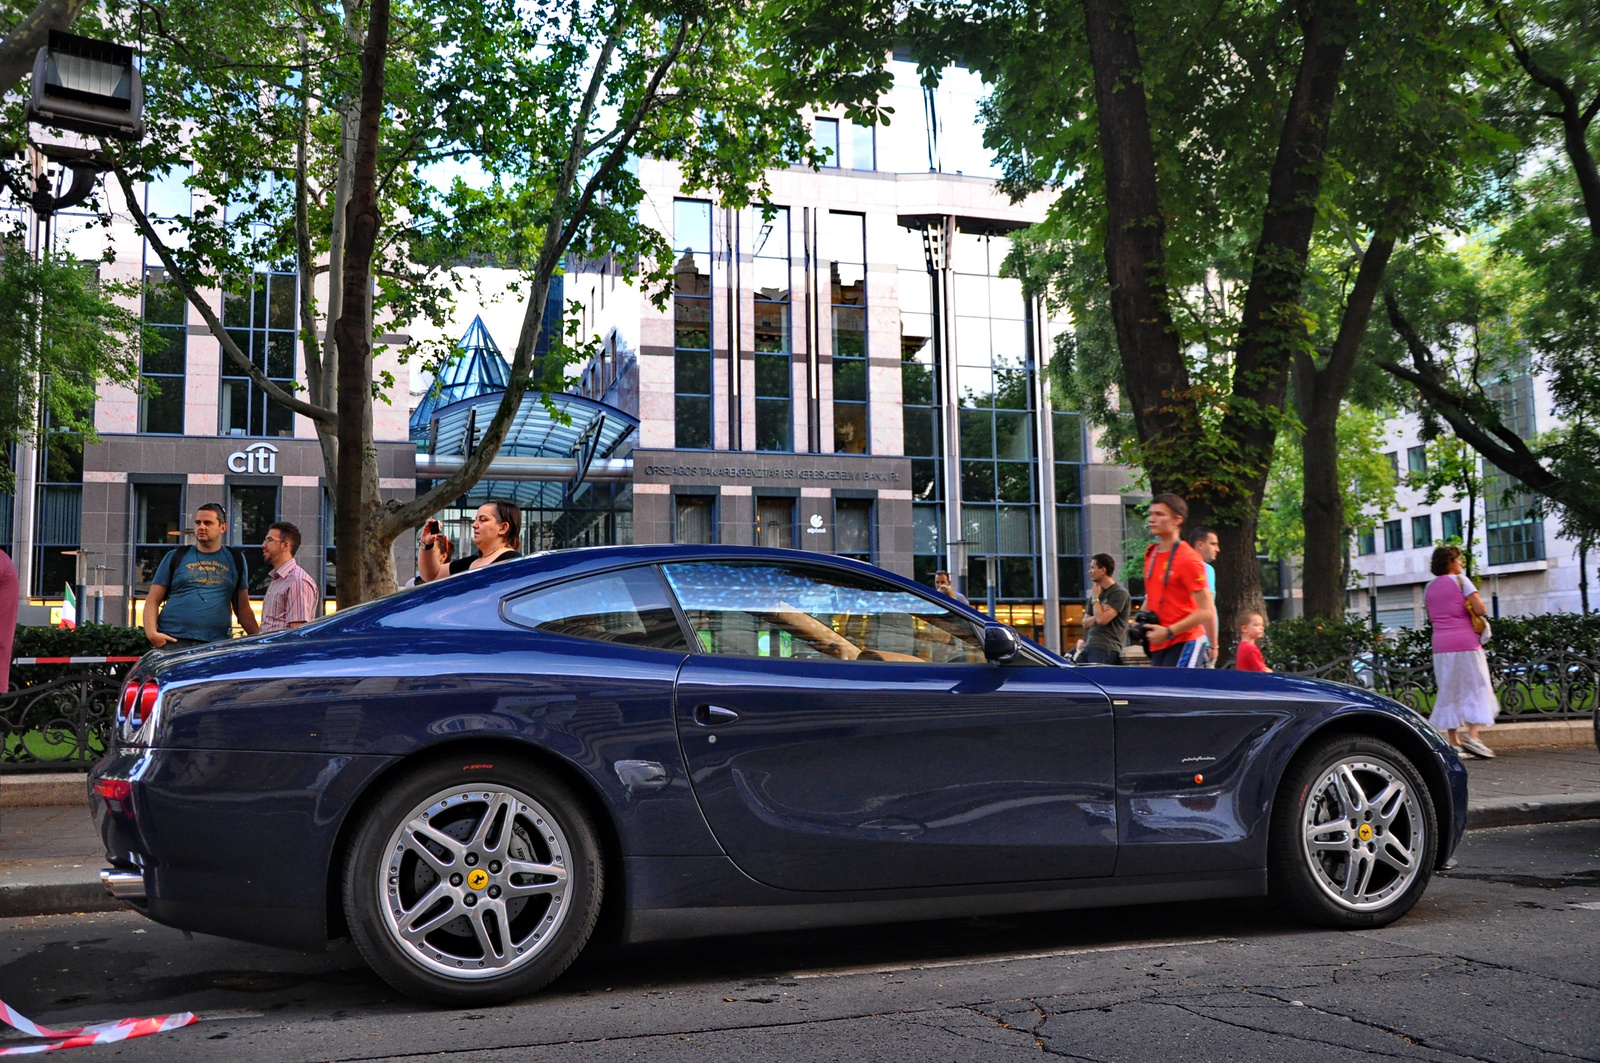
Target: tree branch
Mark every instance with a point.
(31, 34)
(557, 237)
(229, 347)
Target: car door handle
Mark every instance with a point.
(712, 715)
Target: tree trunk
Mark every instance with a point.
(1273, 328)
(1320, 395)
(1155, 377)
(352, 332)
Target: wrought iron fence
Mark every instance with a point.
(60, 725)
(1556, 686)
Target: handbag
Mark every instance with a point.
(1480, 624)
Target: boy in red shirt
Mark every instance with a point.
(1252, 625)
(1176, 589)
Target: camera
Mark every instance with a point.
(1139, 627)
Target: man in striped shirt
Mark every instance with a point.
(292, 595)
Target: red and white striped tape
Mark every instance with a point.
(73, 660)
(101, 1033)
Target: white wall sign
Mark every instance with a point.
(816, 525)
(257, 457)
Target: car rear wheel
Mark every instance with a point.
(471, 883)
(1354, 834)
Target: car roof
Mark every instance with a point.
(494, 581)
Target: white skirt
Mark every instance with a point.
(1465, 693)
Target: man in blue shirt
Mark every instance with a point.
(202, 587)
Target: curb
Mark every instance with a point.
(19, 790)
(26, 899)
(1523, 811)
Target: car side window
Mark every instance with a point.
(774, 609)
(629, 607)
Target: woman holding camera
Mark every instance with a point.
(494, 532)
(1466, 696)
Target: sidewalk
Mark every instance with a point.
(50, 855)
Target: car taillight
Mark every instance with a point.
(134, 709)
(114, 789)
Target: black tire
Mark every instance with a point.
(1320, 842)
(491, 931)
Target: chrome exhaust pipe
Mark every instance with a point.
(123, 885)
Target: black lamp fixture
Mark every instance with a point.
(90, 87)
(87, 86)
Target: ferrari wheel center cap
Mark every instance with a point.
(478, 878)
(1364, 832)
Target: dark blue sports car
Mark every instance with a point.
(713, 740)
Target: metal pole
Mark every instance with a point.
(1049, 556)
(24, 502)
(991, 577)
(1372, 597)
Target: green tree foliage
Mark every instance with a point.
(1199, 153)
(62, 333)
(1367, 485)
(318, 133)
(1522, 298)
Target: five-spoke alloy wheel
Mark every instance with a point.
(470, 883)
(1353, 834)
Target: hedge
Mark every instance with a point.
(87, 640)
(1311, 641)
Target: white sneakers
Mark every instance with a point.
(1476, 748)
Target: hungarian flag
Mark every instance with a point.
(69, 609)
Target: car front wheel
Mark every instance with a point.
(1354, 834)
(473, 883)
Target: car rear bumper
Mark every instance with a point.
(226, 842)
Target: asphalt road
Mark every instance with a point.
(1500, 961)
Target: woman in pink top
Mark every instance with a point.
(1466, 697)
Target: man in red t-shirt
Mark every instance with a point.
(1175, 589)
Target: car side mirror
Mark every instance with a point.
(1000, 643)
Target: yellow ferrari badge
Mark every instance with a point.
(1364, 832)
(478, 878)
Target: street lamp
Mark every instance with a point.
(1372, 596)
(87, 86)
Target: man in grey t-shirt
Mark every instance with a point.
(1105, 618)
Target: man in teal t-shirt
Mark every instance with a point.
(196, 590)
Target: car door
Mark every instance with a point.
(845, 733)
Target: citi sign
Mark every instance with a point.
(257, 457)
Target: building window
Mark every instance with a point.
(998, 448)
(1421, 531)
(919, 394)
(1513, 528)
(251, 511)
(695, 519)
(1416, 459)
(157, 528)
(1366, 542)
(1450, 525)
(825, 138)
(775, 522)
(1394, 462)
(691, 313)
(59, 519)
(162, 355)
(774, 373)
(1071, 571)
(852, 528)
(1393, 537)
(846, 254)
(863, 147)
(258, 310)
